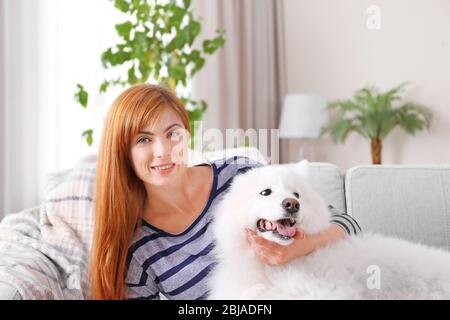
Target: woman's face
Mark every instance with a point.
(159, 155)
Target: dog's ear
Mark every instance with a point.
(302, 167)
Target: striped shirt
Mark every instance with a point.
(176, 265)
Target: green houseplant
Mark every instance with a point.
(157, 43)
(372, 114)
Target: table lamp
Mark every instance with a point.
(302, 117)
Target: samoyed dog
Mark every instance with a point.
(277, 201)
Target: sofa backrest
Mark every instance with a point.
(410, 202)
(328, 181)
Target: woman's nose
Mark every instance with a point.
(160, 148)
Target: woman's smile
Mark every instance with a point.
(164, 169)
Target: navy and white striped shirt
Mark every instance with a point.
(176, 265)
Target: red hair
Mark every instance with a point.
(119, 194)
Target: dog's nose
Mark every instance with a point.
(291, 205)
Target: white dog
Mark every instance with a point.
(277, 202)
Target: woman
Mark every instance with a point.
(152, 211)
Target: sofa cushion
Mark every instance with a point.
(410, 202)
(328, 181)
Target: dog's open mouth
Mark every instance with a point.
(283, 228)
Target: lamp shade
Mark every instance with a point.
(303, 115)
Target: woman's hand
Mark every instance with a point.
(275, 254)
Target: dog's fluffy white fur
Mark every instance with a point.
(366, 266)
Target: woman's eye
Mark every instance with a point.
(173, 134)
(296, 195)
(265, 192)
(143, 140)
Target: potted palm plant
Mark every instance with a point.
(157, 43)
(372, 114)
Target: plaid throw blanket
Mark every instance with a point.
(44, 251)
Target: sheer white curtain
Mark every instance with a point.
(20, 79)
(2, 100)
(244, 83)
(46, 48)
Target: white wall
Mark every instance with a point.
(331, 51)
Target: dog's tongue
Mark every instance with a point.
(285, 230)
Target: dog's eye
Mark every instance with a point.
(265, 192)
(296, 195)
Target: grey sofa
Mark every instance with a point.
(405, 201)
(410, 202)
